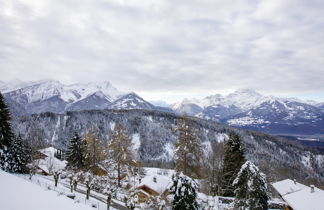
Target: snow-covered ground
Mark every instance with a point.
(19, 194)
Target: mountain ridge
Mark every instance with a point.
(53, 96)
(246, 108)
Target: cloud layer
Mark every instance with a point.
(167, 48)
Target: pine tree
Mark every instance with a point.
(250, 188)
(95, 151)
(188, 153)
(19, 155)
(6, 134)
(184, 190)
(233, 160)
(120, 150)
(76, 152)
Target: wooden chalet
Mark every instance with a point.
(154, 185)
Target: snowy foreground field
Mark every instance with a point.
(19, 194)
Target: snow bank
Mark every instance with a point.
(18, 194)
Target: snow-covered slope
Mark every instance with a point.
(18, 194)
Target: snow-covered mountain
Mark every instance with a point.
(53, 96)
(187, 106)
(249, 109)
(131, 101)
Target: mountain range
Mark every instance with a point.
(249, 109)
(244, 108)
(53, 96)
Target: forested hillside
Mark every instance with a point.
(154, 137)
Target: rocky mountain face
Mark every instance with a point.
(53, 96)
(154, 137)
(248, 109)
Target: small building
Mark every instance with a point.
(299, 196)
(46, 162)
(153, 185)
(99, 170)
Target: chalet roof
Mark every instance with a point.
(162, 183)
(50, 163)
(299, 196)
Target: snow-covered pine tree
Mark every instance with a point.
(6, 134)
(188, 153)
(120, 151)
(184, 190)
(95, 151)
(250, 188)
(76, 152)
(19, 155)
(233, 160)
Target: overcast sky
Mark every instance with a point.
(168, 49)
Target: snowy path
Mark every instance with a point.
(81, 193)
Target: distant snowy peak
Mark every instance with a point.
(131, 101)
(178, 105)
(33, 92)
(160, 103)
(244, 99)
(86, 89)
(45, 89)
(53, 96)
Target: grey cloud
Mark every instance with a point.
(172, 46)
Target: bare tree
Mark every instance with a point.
(56, 177)
(95, 152)
(188, 153)
(89, 183)
(120, 150)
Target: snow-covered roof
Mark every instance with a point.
(50, 163)
(162, 183)
(299, 196)
(48, 151)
